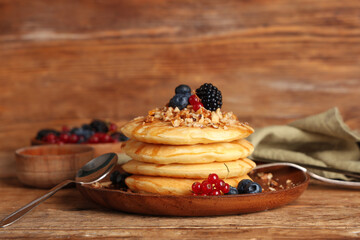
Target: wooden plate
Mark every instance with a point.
(152, 204)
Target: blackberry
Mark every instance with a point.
(99, 126)
(210, 96)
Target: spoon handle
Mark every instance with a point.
(28, 207)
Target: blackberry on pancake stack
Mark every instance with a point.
(186, 141)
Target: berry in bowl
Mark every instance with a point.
(102, 136)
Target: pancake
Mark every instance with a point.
(229, 169)
(161, 132)
(169, 186)
(188, 154)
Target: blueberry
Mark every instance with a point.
(118, 179)
(86, 127)
(81, 139)
(87, 133)
(233, 191)
(113, 176)
(182, 89)
(180, 101)
(242, 185)
(99, 126)
(76, 130)
(43, 132)
(253, 187)
(119, 136)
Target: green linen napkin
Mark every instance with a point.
(322, 140)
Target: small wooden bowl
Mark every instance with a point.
(99, 148)
(47, 165)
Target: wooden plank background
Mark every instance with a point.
(70, 61)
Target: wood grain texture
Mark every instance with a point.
(275, 61)
(117, 59)
(320, 213)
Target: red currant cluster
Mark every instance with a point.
(101, 138)
(95, 132)
(212, 186)
(61, 139)
(195, 101)
(67, 137)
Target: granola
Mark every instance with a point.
(190, 118)
(272, 184)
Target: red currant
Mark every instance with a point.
(219, 184)
(105, 138)
(213, 177)
(50, 138)
(65, 128)
(112, 127)
(194, 194)
(100, 135)
(204, 194)
(206, 187)
(193, 99)
(94, 139)
(197, 106)
(81, 139)
(215, 193)
(226, 188)
(64, 137)
(196, 187)
(73, 138)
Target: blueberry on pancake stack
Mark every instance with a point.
(185, 141)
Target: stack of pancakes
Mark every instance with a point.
(167, 159)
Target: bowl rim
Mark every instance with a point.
(36, 142)
(85, 149)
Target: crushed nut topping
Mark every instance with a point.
(271, 183)
(101, 184)
(190, 118)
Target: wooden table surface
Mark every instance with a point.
(320, 213)
(275, 61)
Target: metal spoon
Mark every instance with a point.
(91, 172)
(327, 181)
